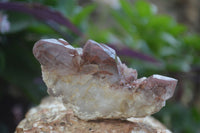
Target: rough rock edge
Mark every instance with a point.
(52, 116)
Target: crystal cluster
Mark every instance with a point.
(95, 84)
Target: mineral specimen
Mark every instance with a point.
(95, 84)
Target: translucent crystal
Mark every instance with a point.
(96, 85)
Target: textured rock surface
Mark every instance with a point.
(51, 116)
(96, 85)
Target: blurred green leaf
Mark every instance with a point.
(178, 30)
(2, 61)
(127, 8)
(178, 118)
(67, 7)
(143, 8)
(127, 26)
(98, 35)
(196, 114)
(83, 13)
(160, 22)
(170, 39)
(193, 41)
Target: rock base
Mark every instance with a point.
(52, 116)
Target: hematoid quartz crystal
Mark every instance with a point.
(96, 84)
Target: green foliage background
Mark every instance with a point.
(136, 26)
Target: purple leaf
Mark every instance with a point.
(132, 53)
(41, 12)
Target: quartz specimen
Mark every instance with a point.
(96, 85)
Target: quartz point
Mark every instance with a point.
(95, 84)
